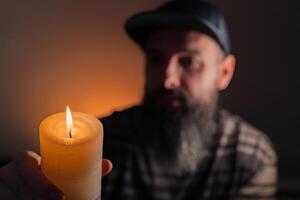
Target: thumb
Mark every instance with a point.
(106, 166)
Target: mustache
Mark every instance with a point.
(162, 92)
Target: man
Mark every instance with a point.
(178, 144)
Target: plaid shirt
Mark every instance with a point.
(241, 165)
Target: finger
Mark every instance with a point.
(106, 166)
(27, 165)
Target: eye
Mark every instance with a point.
(190, 64)
(185, 61)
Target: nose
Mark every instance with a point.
(172, 75)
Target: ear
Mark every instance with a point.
(226, 71)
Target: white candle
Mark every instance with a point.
(71, 154)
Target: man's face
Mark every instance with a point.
(182, 70)
(185, 61)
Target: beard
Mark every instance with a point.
(179, 133)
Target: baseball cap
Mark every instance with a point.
(198, 15)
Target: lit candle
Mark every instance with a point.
(71, 154)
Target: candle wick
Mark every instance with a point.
(70, 133)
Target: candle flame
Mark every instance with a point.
(69, 122)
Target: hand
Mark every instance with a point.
(23, 179)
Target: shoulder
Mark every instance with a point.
(248, 154)
(129, 115)
(120, 130)
(251, 143)
(121, 125)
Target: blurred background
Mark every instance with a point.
(57, 53)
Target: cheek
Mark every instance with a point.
(200, 86)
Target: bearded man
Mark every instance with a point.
(179, 144)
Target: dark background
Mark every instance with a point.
(265, 89)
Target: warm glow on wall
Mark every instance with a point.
(56, 54)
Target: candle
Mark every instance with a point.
(71, 154)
